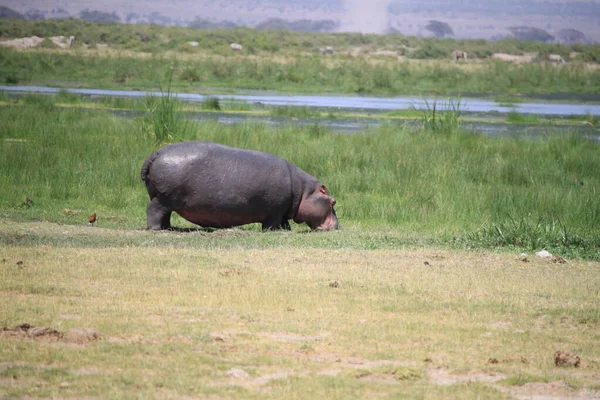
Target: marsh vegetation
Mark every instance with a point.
(141, 57)
(423, 294)
(439, 181)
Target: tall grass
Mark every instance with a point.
(164, 121)
(300, 74)
(442, 117)
(415, 181)
(530, 233)
(293, 111)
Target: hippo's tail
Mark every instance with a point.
(146, 167)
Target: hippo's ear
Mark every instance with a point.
(324, 190)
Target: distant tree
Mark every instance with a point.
(158, 19)
(200, 23)
(439, 29)
(570, 36)
(131, 17)
(6, 12)
(301, 25)
(100, 17)
(34, 14)
(531, 33)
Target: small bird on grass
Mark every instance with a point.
(92, 219)
(27, 202)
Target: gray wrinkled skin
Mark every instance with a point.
(217, 186)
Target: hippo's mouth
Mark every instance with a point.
(331, 223)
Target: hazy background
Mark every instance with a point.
(467, 18)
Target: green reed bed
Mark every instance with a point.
(440, 183)
(303, 74)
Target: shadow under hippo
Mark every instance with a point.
(216, 186)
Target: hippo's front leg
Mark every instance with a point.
(158, 215)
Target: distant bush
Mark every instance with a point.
(531, 34)
(99, 17)
(211, 104)
(9, 13)
(47, 44)
(11, 79)
(439, 29)
(591, 54)
(303, 25)
(190, 74)
(429, 51)
(200, 23)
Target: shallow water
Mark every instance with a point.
(342, 102)
(371, 106)
(359, 125)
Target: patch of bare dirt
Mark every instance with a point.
(34, 41)
(388, 379)
(225, 335)
(526, 58)
(441, 376)
(47, 334)
(139, 339)
(239, 377)
(23, 43)
(80, 335)
(293, 337)
(70, 316)
(233, 272)
(500, 324)
(550, 391)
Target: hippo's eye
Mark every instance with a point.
(323, 189)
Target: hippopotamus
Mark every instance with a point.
(216, 186)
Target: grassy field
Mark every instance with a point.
(423, 294)
(438, 183)
(169, 315)
(140, 57)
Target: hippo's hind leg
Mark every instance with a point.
(277, 224)
(158, 215)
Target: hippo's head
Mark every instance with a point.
(316, 209)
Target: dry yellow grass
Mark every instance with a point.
(286, 322)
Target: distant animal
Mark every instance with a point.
(556, 58)
(71, 41)
(92, 219)
(236, 47)
(459, 55)
(217, 186)
(327, 50)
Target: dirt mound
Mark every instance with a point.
(23, 43)
(527, 58)
(33, 41)
(44, 333)
(566, 359)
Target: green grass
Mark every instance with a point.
(438, 186)
(508, 99)
(442, 117)
(516, 117)
(175, 321)
(409, 317)
(293, 111)
(301, 74)
(157, 39)
(211, 104)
